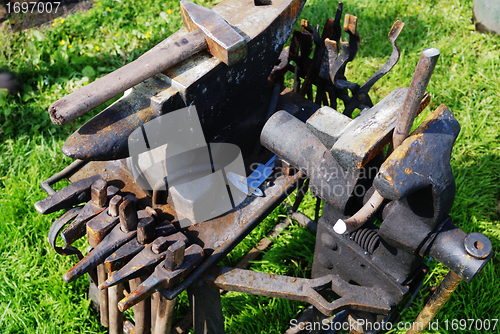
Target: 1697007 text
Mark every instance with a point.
(464, 324)
(32, 7)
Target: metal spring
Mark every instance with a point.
(367, 238)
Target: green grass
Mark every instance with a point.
(33, 297)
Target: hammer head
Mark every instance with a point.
(222, 40)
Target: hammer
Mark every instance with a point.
(207, 29)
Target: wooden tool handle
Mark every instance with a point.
(157, 60)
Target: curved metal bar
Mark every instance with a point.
(361, 96)
(56, 229)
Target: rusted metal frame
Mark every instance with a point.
(352, 297)
(286, 185)
(339, 318)
(142, 311)
(277, 75)
(438, 299)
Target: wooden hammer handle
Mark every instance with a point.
(157, 60)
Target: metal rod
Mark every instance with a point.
(359, 218)
(164, 315)
(438, 299)
(418, 85)
(303, 187)
(317, 208)
(115, 294)
(65, 173)
(103, 296)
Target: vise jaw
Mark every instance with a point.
(417, 176)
